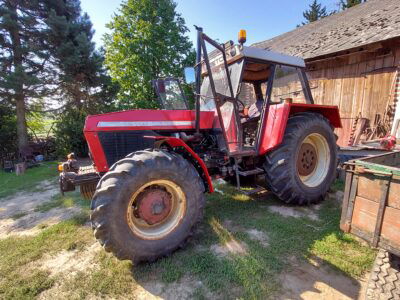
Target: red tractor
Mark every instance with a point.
(153, 167)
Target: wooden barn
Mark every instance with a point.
(353, 61)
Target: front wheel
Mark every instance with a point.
(302, 168)
(147, 205)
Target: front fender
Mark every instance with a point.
(197, 162)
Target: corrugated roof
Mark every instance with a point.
(363, 24)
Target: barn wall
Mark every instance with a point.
(360, 84)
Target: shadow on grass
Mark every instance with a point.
(259, 272)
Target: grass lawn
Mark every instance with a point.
(11, 183)
(255, 274)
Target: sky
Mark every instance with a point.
(220, 19)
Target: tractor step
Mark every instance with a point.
(253, 191)
(256, 171)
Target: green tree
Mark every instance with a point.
(314, 13)
(147, 41)
(25, 71)
(8, 131)
(80, 68)
(345, 4)
(84, 86)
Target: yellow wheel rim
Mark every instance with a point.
(313, 160)
(156, 209)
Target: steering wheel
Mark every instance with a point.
(242, 109)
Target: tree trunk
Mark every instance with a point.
(19, 97)
(22, 130)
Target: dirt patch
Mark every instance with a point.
(259, 236)
(186, 288)
(254, 234)
(64, 265)
(231, 226)
(27, 201)
(68, 263)
(232, 247)
(23, 204)
(311, 280)
(35, 222)
(310, 212)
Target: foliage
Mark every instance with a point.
(25, 71)
(315, 12)
(47, 53)
(69, 133)
(147, 41)
(82, 77)
(345, 4)
(85, 87)
(8, 131)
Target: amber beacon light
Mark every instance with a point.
(242, 36)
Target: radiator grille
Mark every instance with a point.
(118, 144)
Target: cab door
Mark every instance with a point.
(223, 93)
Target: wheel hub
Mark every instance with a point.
(307, 159)
(154, 206)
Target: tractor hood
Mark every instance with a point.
(148, 120)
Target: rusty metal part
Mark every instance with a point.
(307, 159)
(87, 190)
(154, 205)
(156, 209)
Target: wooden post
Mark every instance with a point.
(20, 168)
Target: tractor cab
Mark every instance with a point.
(241, 85)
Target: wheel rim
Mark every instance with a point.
(313, 160)
(156, 209)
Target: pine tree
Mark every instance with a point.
(24, 59)
(85, 87)
(147, 41)
(80, 65)
(315, 12)
(345, 4)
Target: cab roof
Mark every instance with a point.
(271, 56)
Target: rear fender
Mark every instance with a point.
(274, 125)
(197, 162)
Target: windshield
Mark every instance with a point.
(170, 94)
(221, 84)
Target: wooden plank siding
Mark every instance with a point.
(359, 83)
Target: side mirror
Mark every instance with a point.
(190, 76)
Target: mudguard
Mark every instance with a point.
(194, 158)
(274, 124)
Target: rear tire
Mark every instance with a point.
(384, 281)
(147, 205)
(301, 170)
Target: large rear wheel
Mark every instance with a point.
(147, 205)
(302, 168)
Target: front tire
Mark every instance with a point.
(147, 205)
(301, 170)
